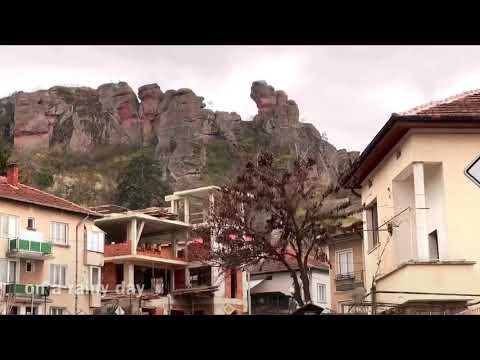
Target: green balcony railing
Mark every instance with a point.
(27, 290)
(16, 245)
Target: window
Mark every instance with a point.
(31, 224)
(8, 226)
(29, 266)
(344, 262)
(28, 310)
(12, 272)
(58, 275)
(321, 293)
(59, 232)
(95, 274)
(233, 283)
(95, 241)
(372, 225)
(433, 245)
(56, 310)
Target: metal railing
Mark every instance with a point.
(348, 281)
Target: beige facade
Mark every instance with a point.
(347, 271)
(427, 219)
(61, 299)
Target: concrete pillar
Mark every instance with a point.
(128, 274)
(132, 235)
(185, 252)
(420, 211)
(186, 209)
(174, 206)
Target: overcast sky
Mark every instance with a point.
(348, 92)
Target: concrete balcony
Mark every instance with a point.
(445, 280)
(349, 281)
(29, 249)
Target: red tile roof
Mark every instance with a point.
(27, 194)
(466, 103)
(275, 266)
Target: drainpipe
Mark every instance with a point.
(76, 261)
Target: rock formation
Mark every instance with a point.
(195, 144)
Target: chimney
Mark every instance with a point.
(12, 174)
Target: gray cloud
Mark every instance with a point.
(347, 91)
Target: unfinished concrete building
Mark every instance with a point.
(146, 261)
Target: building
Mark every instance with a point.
(147, 251)
(50, 248)
(271, 287)
(347, 269)
(421, 210)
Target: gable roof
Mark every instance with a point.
(461, 111)
(466, 103)
(28, 194)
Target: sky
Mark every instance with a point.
(348, 92)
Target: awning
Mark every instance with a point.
(254, 283)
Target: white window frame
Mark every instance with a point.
(56, 275)
(17, 271)
(337, 261)
(33, 266)
(53, 234)
(324, 286)
(99, 269)
(9, 234)
(96, 241)
(34, 227)
(54, 309)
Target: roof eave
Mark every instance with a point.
(352, 178)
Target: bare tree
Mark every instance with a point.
(272, 214)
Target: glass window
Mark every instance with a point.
(322, 296)
(95, 276)
(56, 311)
(8, 226)
(59, 233)
(95, 241)
(372, 225)
(58, 275)
(345, 262)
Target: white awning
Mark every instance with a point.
(254, 283)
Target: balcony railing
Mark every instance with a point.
(158, 251)
(348, 281)
(26, 290)
(29, 248)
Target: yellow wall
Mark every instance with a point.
(64, 255)
(462, 197)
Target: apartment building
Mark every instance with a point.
(421, 206)
(347, 272)
(147, 251)
(51, 253)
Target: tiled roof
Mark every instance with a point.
(276, 266)
(466, 103)
(28, 194)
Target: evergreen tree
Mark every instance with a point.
(141, 184)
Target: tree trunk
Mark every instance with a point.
(306, 285)
(297, 290)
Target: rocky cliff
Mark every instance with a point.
(196, 146)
